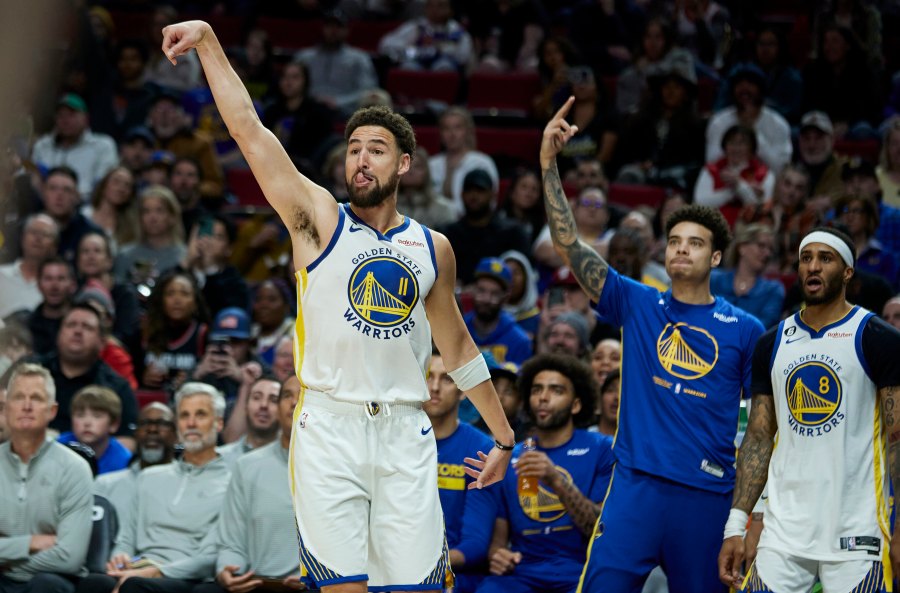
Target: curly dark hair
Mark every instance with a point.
(157, 329)
(396, 124)
(708, 218)
(578, 372)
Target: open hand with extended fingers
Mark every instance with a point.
(557, 134)
(180, 38)
(488, 469)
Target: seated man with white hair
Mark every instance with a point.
(45, 516)
(169, 543)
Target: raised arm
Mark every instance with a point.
(458, 349)
(307, 209)
(752, 473)
(589, 268)
(890, 411)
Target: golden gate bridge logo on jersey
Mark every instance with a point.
(814, 396)
(383, 291)
(686, 351)
(545, 506)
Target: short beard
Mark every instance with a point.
(153, 455)
(264, 432)
(555, 421)
(208, 440)
(831, 293)
(375, 196)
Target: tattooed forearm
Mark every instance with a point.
(559, 215)
(756, 451)
(890, 407)
(583, 510)
(589, 268)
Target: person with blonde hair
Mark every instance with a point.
(418, 198)
(459, 158)
(888, 170)
(742, 282)
(113, 206)
(160, 243)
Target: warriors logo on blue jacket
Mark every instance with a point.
(383, 291)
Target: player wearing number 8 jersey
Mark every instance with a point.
(371, 286)
(825, 381)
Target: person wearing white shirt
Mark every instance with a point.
(773, 132)
(73, 144)
(18, 280)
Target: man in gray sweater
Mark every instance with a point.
(169, 543)
(257, 536)
(45, 494)
(156, 438)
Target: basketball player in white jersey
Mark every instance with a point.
(371, 286)
(824, 436)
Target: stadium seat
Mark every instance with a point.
(414, 89)
(510, 147)
(104, 528)
(148, 396)
(495, 93)
(636, 195)
(429, 138)
(865, 149)
(291, 34)
(365, 35)
(244, 186)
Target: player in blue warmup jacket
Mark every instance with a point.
(686, 360)
(455, 441)
(548, 533)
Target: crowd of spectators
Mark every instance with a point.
(147, 294)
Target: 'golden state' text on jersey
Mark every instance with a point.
(827, 491)
(361, 331)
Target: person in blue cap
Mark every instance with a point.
(492, 328)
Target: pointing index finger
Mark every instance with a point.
(564, 110)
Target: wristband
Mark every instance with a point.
(503, 447)
(473, 373)
(736, 524)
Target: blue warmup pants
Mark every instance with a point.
(648, 521)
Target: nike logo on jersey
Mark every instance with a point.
(426, 430)
(791, 341)
(354, 229)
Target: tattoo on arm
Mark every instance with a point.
(583, 510)
(589, 268)
(756, 451)
(890, 407)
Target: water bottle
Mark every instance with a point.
(528, 485)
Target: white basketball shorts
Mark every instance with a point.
(364, 485)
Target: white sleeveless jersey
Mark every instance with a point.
(361, 330)
(827, 485)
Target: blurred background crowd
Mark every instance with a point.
(138, 254)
